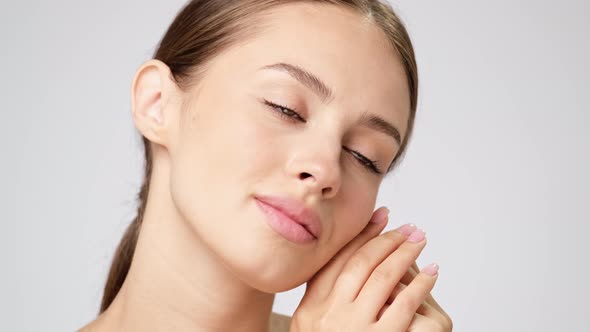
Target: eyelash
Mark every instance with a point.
(371, 165)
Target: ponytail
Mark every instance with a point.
(124, 253)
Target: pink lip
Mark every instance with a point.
(290, 218)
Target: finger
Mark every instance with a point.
(410, 275)
(323, 281)
(360, 265)
(424, 309)
(383, 309)
(421, 323)
(440, 315)
(430, 307)
(400, 313)
(384, 277)
(429, 299)
(396, 290)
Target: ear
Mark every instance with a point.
(153, 93)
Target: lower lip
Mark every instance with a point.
(285, 226)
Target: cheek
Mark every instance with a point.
(351, 215)
(223, 151)
(223, 140)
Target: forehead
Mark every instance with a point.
(347, 51)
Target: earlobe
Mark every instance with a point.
(149, 98)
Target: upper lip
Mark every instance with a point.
(295, 210)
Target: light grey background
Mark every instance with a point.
(497, 172)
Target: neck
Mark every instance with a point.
(176, 283)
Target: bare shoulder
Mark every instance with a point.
(279, 323)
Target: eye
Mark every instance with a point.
(284, 111)
(371, 165)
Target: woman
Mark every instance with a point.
(268, 127)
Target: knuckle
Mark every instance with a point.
(383, 276)
(402, 258)
(328, 321)
(422, 278)
(407, 302)
(393, 237)
(409, 252)
(357, 262)
(423, 285)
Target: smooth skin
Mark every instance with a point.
(364, 289)
(206, 259)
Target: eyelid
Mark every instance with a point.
(275, 106)
(372, 165)
(366, 162)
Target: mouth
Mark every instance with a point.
(290, 218)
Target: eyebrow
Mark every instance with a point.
(322, 90)
(378, 123)
(306, 78)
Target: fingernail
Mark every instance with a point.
(406, 229)
(416, 236)
(431, 269)
(381, 216)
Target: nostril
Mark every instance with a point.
(304, 176)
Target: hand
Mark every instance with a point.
(430, 308)
(371, 285)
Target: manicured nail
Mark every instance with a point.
(406, 229)
(416, 236)
(431, 269)
(380, 216)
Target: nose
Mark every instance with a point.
(317, 169)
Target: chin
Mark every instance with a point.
(253, 252)
(273, 271)
(272, 282)
(267, 263)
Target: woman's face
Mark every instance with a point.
(232, 146)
